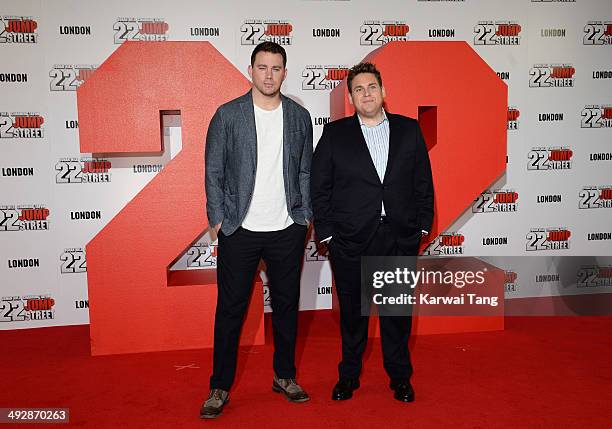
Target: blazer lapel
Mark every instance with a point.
(394, 137)
(286, 142)
(249, 122)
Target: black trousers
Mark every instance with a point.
(238, 256)
(394, 330)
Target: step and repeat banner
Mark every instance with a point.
(554, 200)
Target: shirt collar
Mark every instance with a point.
(383, 120)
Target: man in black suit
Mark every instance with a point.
(372, 195)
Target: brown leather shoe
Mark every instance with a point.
(288, 387)
(213, 406)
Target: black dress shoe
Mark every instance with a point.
(344, 389)
(403, 391)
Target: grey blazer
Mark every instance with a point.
(231, 162)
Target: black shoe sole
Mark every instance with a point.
(278, 389)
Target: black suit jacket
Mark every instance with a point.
(347, 192)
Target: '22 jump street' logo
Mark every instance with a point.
(256, 31)
(549, 76)
(497, 33)
(446, 244)
(316, 253)
(549, 158)
(513, 115)
(593, 197)
(510, 281)
(202, 255)
(141, 29)
(379, 33)
(74, 170)
(73, 261)
(24, 218)
(323, 77)
(19, 125)
(548, 239)
(594, 276)
(65, 77)
(21, 309)
(495, 201)
(597, 33)
(593, 116)
(18, 29)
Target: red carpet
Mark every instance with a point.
(538, 373)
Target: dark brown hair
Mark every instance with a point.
(273, 48)
(362, 68)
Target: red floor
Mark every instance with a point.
(538, 373)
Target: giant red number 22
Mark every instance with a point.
(132, 309)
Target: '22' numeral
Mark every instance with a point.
(9, 220)
(593, 34)
(251, 34)
(128, 261)
(372, 34)
(12, 311)
(6, 124)
(125, 31)
(63, 80)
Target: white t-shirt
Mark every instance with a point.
(268, 208)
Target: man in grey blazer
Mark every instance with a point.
(258, 155)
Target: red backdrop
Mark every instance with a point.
(132, 306)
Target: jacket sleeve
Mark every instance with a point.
(305, 168)
(321, 186)
(214, 156)
(423, 184)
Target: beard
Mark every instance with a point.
(269, 91)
